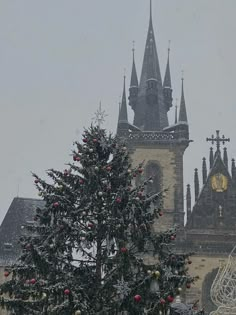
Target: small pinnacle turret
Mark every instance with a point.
(182, 109)
(196, 183)
(133, 90)
(233, 170)
(123, 115)
(188, 202)
(211, 157)
(167, 89)
(225, 158)
(176, 113)
(204, 171)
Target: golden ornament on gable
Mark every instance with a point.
(219, 182)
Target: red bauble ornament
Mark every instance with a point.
(118, 200)
(160, 213)
(6, 274)
(140, 194)
(76, 158)
(66, 172)
(85, 140)
(170, 298)
(172, 237)
(140, 170)
(137, 298)
(66, 291)
(162, 301)
(81, 181)
(95, 140)
(134, 175)
(188, 285)
(56, 204)
(108, 168)
(36, 181)
(90, 225)
(33, 281)
(123, 249)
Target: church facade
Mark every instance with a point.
(210, 230)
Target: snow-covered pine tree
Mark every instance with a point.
(85, 252)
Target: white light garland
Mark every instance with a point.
(223, 289)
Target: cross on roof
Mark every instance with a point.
(218, 139)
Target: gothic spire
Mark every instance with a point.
(233, 170)
(182, 109)
(167, 79)
(134, 77)
(196, 183)
(176, 112)
(167, 90)
(150, 112)
(204, 171)
(225, 158)
(211, 158)
(188, 201)
(123, 115)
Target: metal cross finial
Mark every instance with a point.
(182, 72)
(218, 140)
(100, 115)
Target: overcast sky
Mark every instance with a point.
(59, 58)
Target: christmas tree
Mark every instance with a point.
(85, 253)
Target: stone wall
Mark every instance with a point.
(205, 267)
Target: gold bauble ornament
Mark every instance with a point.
(157, 273)
(179, 289)
(149, 272)
(44, 295)
(78, 312)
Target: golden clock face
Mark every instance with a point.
(219, 182)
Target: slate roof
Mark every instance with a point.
(21, 210)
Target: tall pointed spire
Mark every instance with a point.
(233, 170)
(204, 171)
(182, 109)
(167, 79)
(123, 115)
(134, 77)
(225, 157)
(176, 112)
(150, 113)
(211, 157)
(188, 202)
(167, 90)
(133, 90)
(196, 183)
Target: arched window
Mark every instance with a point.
(153, 170)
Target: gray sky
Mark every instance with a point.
(59, 58)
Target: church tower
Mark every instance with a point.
(151, 138)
